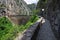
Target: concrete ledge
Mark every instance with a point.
(31, 31)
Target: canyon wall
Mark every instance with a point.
(16, 8)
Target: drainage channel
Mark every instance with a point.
(34, 36)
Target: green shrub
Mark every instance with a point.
(9, 32)
(34, 18)
(2, 6)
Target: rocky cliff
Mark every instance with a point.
(18, 8)
(52, 12)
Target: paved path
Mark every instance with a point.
(45, 32)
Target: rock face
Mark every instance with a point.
(16, 7)
(19, 6)
(52, 12)
(32, 6)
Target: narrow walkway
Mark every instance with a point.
(45, 32)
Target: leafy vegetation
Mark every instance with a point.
(2, 6)
(41, 4)
(9, 32)
(36, 11)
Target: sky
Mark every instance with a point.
(31, 1)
